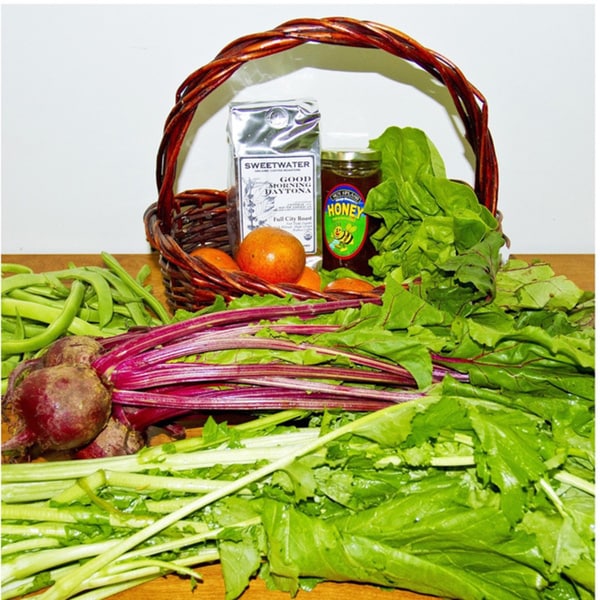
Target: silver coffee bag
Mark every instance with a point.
(274, 172)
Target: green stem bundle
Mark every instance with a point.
(361, 479)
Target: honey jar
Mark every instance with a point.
(346, 178)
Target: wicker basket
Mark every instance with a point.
(177, 223)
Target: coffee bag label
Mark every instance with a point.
(275, 171)
(280, 193)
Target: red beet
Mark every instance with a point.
(58, 408)
(72, 350)
(116, 439)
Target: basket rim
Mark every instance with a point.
(470, 103)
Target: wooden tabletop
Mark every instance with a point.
(580, 268)
(577, 267)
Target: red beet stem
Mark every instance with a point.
(163, 334)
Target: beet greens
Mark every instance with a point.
(159, 369)
(274, 354)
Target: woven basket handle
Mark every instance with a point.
(469, 102)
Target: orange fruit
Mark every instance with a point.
(350, 284)
(216, 257)
(310, 279)
(273, 254)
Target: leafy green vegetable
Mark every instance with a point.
(452, 494)
(431, 226)
(481, 486)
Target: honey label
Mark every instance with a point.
(345, 224)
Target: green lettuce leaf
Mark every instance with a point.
(520, 285)
(337, 550)
(427, 219)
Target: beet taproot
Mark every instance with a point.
(57, 408)
(72, 350)
(115, 439)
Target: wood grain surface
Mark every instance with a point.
(580, 268)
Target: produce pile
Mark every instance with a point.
(277, 256)
(437, 438)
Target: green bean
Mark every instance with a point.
(60, 322)
(29, 280)
(57, 328)
(100, 286)
(18, 328)
(136, 287)
(88, 311)
(37, 308)
(133, 303)
(121, 315)
(52, 294)
(15, 268)
(39, 298)
(53, 279)
(142, 275)
(47, 314)
(9, 364)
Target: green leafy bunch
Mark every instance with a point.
(432, 227)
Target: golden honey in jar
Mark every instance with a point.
(346, 178)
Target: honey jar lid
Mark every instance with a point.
(351, 155)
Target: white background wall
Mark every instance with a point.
(86, 90)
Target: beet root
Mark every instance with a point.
(72, 350)
(116, 439)
(57, 408)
